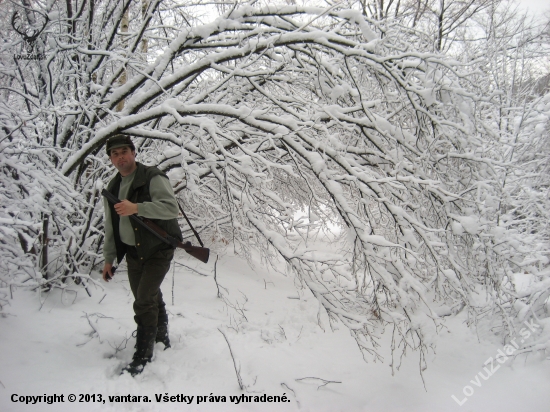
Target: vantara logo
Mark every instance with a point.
(29, 33)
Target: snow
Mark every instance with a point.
(64, 343)
(256, 114)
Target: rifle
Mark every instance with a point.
(197, 252)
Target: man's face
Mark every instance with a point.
(124, 159)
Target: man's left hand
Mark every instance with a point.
(126, 208)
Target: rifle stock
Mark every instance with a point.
(200, 253)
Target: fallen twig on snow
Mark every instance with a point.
(310, 379)
(237, 370)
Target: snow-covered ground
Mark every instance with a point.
(68, 343)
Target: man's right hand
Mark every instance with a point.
(108, 272)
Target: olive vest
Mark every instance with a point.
(146, 242)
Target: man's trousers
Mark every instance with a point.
(145, 280)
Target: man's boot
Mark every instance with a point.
(145, 343)
(162, 331)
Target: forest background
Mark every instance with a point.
(413, 133)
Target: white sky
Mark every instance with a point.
(535, 6)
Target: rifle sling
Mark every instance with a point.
(190, 225)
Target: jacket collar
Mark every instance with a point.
(139, 179)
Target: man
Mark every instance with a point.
(145, 191)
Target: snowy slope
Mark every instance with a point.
(73, 344)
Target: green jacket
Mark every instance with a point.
(139, 192)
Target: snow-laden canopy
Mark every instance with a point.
(274, 123)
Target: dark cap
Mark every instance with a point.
(117, 141)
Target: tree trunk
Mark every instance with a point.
(124, 76)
